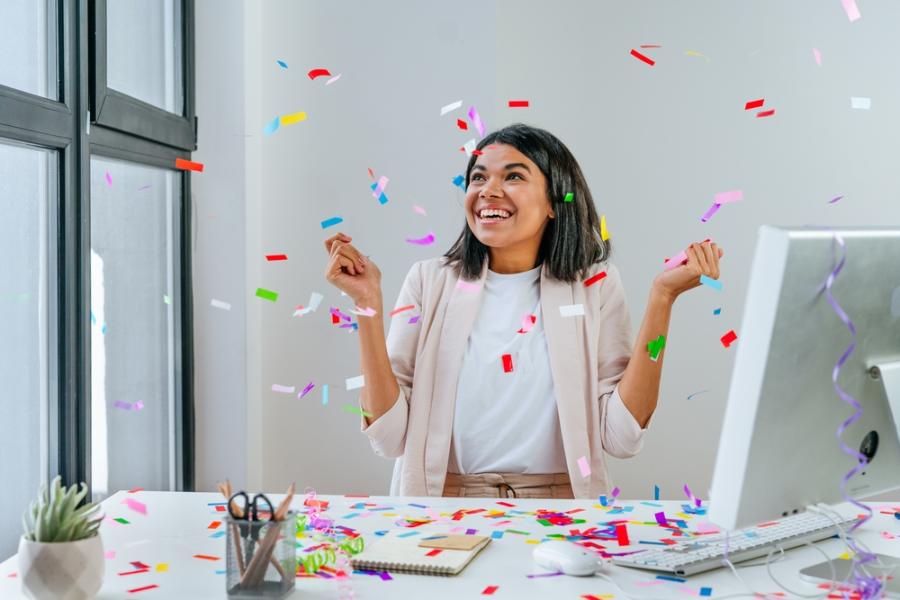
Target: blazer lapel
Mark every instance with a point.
(565, 345)
(459, 318)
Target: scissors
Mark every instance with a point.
(249, 512)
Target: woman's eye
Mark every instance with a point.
(476, 178)
(514, 175)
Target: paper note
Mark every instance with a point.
(571, 310)
(454, 542)
(357, 382)
(584, 466)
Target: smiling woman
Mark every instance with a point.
(519, 374)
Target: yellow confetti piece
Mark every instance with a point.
(391, 515)
(695, 53)
(293, 118)
(845, 556)
(604, 234)
(162, 567)
(532, 541)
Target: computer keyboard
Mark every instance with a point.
(698, 554)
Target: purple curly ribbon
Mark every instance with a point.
(867, 586)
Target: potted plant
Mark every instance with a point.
(61, 555)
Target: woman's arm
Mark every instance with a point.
(639, 386)
(381, 389)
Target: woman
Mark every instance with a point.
(519, 373)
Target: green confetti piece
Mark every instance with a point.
(122, 521)
(569, 197)
(655, 346)
(266, 294)
(357, 410)
(517, 531)
(545, 522)
(166, 299)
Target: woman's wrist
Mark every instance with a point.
(661, 296)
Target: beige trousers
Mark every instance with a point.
(508, 485)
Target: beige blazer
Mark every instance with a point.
(587, 357)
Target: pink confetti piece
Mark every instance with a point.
(135, 505)
(428, 239)
(122, 405)
(675, 261)
(419, 209)
(283, 389)
(818, 56)
(726, 197)
(528, 322)
(851, 9)
(584, 467)
(108, 179)
(138, 405)
(379, 189)
(365, 312)
(476, 121)
(109, 554)
(467, 287)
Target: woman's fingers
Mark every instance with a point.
(699, 258)
(338, 236)
(350, 252)
(709, 260)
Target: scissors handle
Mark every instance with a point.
(232, 502)
(255, 506)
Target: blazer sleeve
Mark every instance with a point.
(387, 434)
(620, 432)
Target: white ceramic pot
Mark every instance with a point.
(61, 570)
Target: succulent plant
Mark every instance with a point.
(58, 518)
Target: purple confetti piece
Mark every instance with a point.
(139, 405)
(428, 239)
(476, 120)
(661, 518)
(144, 187)
(867, 586)
(122, 405)
(414, 319)
(833, 200)
(108, 179)
(688, 493)
(709, 213)
(307, 389)
(533, 575)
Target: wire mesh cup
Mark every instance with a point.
(260, 557)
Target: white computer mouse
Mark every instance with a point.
(567, 557)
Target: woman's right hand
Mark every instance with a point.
(351, 272)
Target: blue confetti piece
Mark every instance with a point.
(717, 311)
(350, 516)
(417, 505)
(656, 492)
(381, 533)
(332, 221)
(897, 515)
(497, 535)
(272, 126)
(103, 329)
(282, 64)
(93, 318)
(668, 578)
(408, 534)
(325, 394)
(706, 591)
(459, 181)
(603, 500)
(220, 572)
(217, 534)
(713, 283)
(383, 199)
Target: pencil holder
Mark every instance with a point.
(260, 557)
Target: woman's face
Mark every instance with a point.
(507, 181)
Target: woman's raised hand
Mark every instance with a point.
(702, 259)
(351, 272)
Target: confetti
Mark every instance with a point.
(108, 179)
(654, 347)
(687, 491)
(710, 212)
(357, 410)
(476, 120)
(272, 126)
(307, 389)
(697, 394)
(469, 147)
(219, 304)
(731, 196)
(267, 294)
(293, 118)
(851, 9)
(325, 394)
(282, 64)
(333, 79)
(152, 586)
(357, 382)
(595, 278)
(467, 287)
(136, 506)
(122, 405)
(507, 363)
(313, 73)
(424, 241)
(401, 309)
(162, 567)
(378, 189)
(419, 209)
(462, 125)
(518, 103)
(283, 389)
(818, 56)
(860, 103)
(434, 552)
(604, 233)
(274, 257)
(460, 181)
(656, 492)
(754, 104)
(450, 107)
(528, 322)
(833, 200)
(676, 261)
(489, 590)
(709, 281)
(584, 467)
(728, 338)
(640, 56)
(570, 196)
(206, 557)
(187, 165)
(332, 221)
(166, 299)
(765, 113)
(571, 310)
(364, 312)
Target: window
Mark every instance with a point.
(95, 350)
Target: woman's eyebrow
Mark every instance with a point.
(507, 167)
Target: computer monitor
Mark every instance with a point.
(778, 451)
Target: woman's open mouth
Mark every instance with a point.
(492, 216)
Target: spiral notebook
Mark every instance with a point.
(439, 555)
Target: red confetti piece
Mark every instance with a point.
(462, 125)
(402, 309)
(518, 103)
(206, 557)
(135, 490)
(143, 589)
(507, 363)
(477, 152)
(650, 46)
(507, 504)
(214, 525)
(135, 572)
(220, 509)
(728, 338)
(765, 113)
(622, 535)
(595, 278)
(318, 73)
(271, 257)
(434, 552)
(139, 565)
(640, 56)
(187, 165)
(754, 104)
(489, 590)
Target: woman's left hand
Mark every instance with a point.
(702, 259)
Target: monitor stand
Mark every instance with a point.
(821, 572)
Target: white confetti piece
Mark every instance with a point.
(451, 107)
(354, 383)
(861, 103)
(219, 304)
(283, 389)
(571, 310)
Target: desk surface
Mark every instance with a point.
(177, 527)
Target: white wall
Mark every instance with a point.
(655, 142)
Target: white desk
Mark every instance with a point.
(176, 528)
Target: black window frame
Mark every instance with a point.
(68, 126)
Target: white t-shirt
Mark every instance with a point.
(507, 422)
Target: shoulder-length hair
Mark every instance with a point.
(571, 242)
